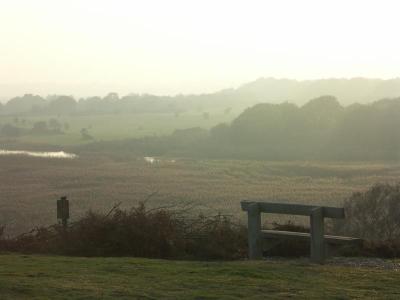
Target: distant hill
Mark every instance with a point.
(347, 91)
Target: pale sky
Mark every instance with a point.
(87, 47)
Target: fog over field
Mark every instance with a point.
(115, 81)
(206, 131)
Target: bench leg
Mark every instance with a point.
(254, 227)
(317, 235)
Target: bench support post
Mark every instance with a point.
(317, 235)
(254, 227)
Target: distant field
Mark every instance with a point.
(44, 277)
(30, 186)
(117, 126)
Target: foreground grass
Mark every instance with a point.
(51, 277)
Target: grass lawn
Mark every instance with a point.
(52, 277)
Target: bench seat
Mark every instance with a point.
(331, 239)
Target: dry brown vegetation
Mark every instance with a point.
(29, 187)
(139, 232)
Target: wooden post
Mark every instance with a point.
(317, 235)
(254, 227)
(63, 211)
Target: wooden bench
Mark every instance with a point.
(316, 236)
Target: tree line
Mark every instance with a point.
(112, 103)
(322, 129)
(270, 90)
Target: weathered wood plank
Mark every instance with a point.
(254, 229)
(294, 209)
(318, 240)
(317, 235)
(331, 239)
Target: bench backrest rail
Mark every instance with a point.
(293, 209)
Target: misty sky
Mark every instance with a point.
(87, 47)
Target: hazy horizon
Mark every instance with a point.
(93, 47)
(84, 91)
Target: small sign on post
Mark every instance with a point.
(63, 211)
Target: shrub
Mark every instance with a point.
(85, 135)
(216, 237)
(373, 215)
(290, 248)
(10, 130)
(383, 248)
(154, 233)
(40, 127)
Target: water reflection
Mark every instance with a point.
(60, 154)
(152, 160)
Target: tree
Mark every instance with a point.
(111, 97)
(40, 127)
(55, 125)
(26, 103)
(62, 105)
(227, 110)
(220, 133)
(10, 130)
(85, 134)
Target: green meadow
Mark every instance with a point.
(115, 126)
(53, 277)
